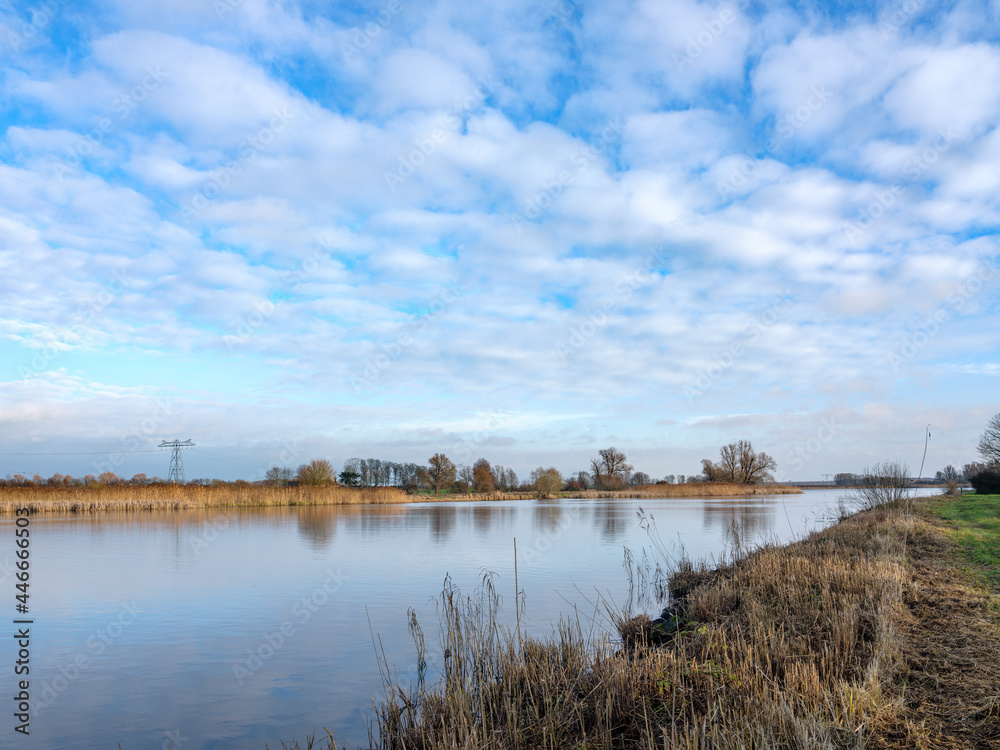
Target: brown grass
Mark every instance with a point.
(698, 489)
(832, 642)
(652, 491)
(100, 497)
(172, 497)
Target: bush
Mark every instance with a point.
(317, 471)
(881, 484)
(986, 480)
(546, 481)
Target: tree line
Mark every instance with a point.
(609, 470)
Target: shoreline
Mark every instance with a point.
(139, 498)
(876, 631)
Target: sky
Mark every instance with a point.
(523, 231)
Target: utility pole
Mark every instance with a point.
(176, 461)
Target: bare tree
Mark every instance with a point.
(317, 471)
(278, 476)
(597, 472)
(754, 468)
(740, 463)
(711, 472)
(640, 478)
(465, 474)
(440, 472)
(610, 469)
(948, 474)
(881, 484)
(989, 441)
(504, 479)
(729, 462)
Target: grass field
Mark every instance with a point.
(976, 520)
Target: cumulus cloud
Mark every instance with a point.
(367, 227)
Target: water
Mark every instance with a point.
(144, 623)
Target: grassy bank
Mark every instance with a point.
(864, 635)
(97, 498)
(975, 521)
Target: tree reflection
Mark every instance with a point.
(442, 521)
(484, 516)
(547, 515)
(753, 518)
(612, 520)
(317, 525)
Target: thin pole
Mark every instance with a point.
(517, 606)
(926, 441)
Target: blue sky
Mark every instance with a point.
(523, 231)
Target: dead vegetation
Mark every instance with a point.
(98, 498)
(128, 497)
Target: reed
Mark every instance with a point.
(697, 489)
(126, 497)
(99, 498)
(652, 491)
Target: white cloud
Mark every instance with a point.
(689, 171)
(951, 89)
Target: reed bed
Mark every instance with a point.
(125, 497)
(100, 498)
(697, 489)
(787, 647)
(652, 491)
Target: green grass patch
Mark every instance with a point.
(977, 529)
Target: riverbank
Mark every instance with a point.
(876, 632)
(99, 498)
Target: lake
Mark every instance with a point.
(232, 629)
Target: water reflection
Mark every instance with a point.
(317, 525)
(442, 521)
(752, 520)
(485, 517)
(612, 520)
(547, 516)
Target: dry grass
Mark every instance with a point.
(652, 491)
(100, 497)
(805, 646)
(172, 497)
(698, 489)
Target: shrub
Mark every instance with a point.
(986, 479)
(546, 481)
(881, 484)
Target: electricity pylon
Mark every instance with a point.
(176, 461)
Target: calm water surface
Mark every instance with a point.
(144, 623)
